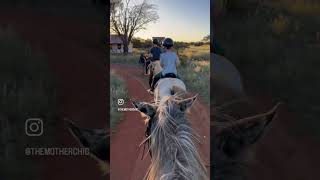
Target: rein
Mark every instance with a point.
(147, 141)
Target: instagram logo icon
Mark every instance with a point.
(34, 127)
(120, 102)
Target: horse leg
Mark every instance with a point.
(146, 67)
(150, 78)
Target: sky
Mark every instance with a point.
(181, 20)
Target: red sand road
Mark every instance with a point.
(126, 160)
(72, 48)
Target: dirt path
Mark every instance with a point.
(76, 60)
(126, 160)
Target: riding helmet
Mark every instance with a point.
(167, 42)
(155, 41)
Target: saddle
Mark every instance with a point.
(170, 75)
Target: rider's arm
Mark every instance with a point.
(177, 61)
(150, 52)
(161, 61)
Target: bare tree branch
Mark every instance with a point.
(127, 18)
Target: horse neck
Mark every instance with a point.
(174, 154)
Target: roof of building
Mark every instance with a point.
(160, 38)
(115, 39)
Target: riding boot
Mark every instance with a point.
(156, 78)
(146, 66)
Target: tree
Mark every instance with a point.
(206, 39)
(128, 18)
(180, 46)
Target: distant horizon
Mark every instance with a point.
(159, 36)
(189, 20)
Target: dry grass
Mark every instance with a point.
(196, 76)
(197, 52)
(131, 59)
(118, 90)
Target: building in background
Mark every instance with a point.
(116, 44)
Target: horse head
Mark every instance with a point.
(96, 140)
(171, 140)
(232, 142)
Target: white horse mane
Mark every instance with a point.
(174, 153)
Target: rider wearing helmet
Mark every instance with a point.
(169, 61)
(156, 50)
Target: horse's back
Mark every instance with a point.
(166, 86)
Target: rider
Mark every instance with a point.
(169, 61)
(142, 59)
(156, 50)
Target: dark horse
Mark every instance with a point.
(235, 123)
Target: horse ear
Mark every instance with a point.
(187, 103)
(145, 108)
(244, 132)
